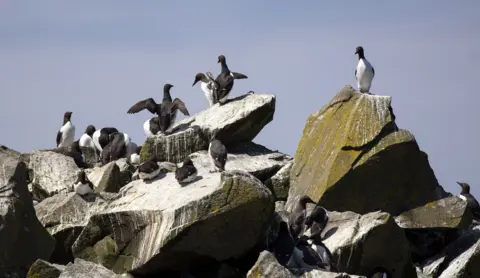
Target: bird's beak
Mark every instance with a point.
(459, 183)
(195, 82)
(218, 61)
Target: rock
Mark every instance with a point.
(51, 172)
(111, 176)
(360, 243)
(280, 182)
(43, 269)
(65, 216)
(449, 212)
(241, 119)
(126, 171)
(22, 238)
(247, 156)
(352, 157)
(90, 156)
(268, 266)
(461, 258)
(158, 225)
(81, 269)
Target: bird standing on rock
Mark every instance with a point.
(225, 81)
(83, 185)
(187, 173)
(218, 155)
(149, 169)
(208, 86)
(86, 140)
(67, 132)
(364, 72)
(472, 203)
(166, 111)
(297, 218)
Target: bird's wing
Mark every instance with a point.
(59, 137)
(356, 74)
(237, 75)
(148, 104)
(90, 184)
(178, 104)
(373, 71)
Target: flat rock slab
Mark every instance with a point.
(81, 269)
(451, 212)
(241, 119)
(154, 226)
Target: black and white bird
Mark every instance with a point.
(167, 110)
(134, 158)
(149, 169)
(116, 148)
(75, 152)
(66, 133)
(317, 221)
(101, 137)
(380, 272)
(303, 256)
(83, 185)
(364, 72)
(225, 81)
(152, 126)
(282, 247)
(187, 173)
(472, 203)
(298, 216)
(218, 155)
(86, 140)
(208, 86)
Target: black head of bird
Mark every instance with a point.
(67, 116)
(167, 87)
(82, 176)
(138, 149)
(221, 59)
(188, 162)
(90, 130)
(465, 187)
(304, 200)
(359, 51)
(198, 77)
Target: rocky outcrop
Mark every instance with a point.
(280, 182)
(268, 266)
(65, 216)
(111, 176)
(22, 238)
(44, 269)
(241, 119)
(81, 269)
(352, 157)
(157, 225)
(360, 243)
(50, 172)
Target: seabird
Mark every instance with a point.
(380, 272)
(208, 85)
(298, 216)
(316, 221)
(283, 245)
(83, 185)
(364, 72)
(134, 158)
(152, 126)
(149, 169)
(218, 155)
(167, 110)
(75, 152)
(86, 140)
(101, 137)
(116, 148)
(225, 81)
(472, 203)
(303, 256)
(67, 132)
(187, 173)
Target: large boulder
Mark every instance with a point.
(268, 266)
(352, 157)
(247, 156)
(81, 269)
(22, 238)
(44, 269)
(65, 216)
(280, 182)
(50, 172)
(160, 225)
(111, 176)
(360, 243)
(241, 119)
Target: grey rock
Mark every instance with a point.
(241, 119)
(65, 216)
(280, 182)
(22, 237)
(81, 269)
(44, 269)
(157, 225)
(50, 172)
(359, 243)
(247, 156)
(268, 266)
(111, 176)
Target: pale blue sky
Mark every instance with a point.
(97, 59)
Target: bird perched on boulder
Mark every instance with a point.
(187, 173)
(83, 185)
(225, 81)
(67, 132)
(86, 140)
(297, 218)
(472, 203)
(218, 155)
(208, 86)
(364, 71)
(149, 169)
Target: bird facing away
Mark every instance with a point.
(472, 203)
(305, 257)
(316, 222)
(364, 72)
(67, 132)
(86, 140)
(135, 157)
(187, 173)
(218, 155)
(83, 185)
(208, 86)
(225, 81)
(298, 216)
(101, 137)
(149, 169)
(167, 110)
(283, 245)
